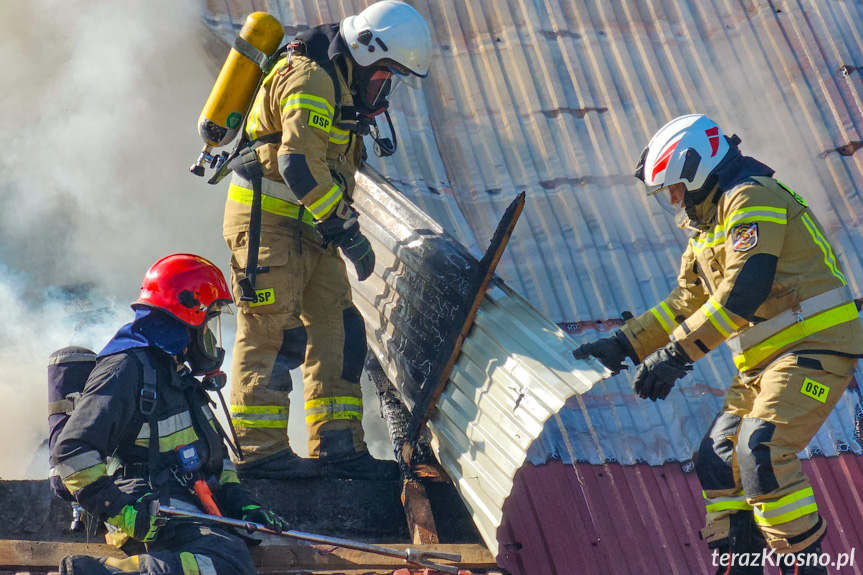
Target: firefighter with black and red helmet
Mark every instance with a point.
(759, 274)
(304, 138)
(144, 408)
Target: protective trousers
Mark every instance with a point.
(302, 316)
(182, 548)
(748, 458)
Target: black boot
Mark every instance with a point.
(359, 466)
(808, 560)
(745, 545)
(283, 465)
(341, 459)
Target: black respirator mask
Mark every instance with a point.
(205, 354)
(373, 87)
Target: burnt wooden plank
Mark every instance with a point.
(43, 555)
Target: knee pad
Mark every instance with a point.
(291, 355)
(713, 460)
(355, 345)
(753, 457)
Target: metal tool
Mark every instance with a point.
(415, 556)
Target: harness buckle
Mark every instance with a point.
(147, 402)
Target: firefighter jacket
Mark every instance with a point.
(303, 126)
(109, 422)
(759, 273)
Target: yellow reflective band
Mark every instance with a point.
(228, 477)
(273, 409)
(262, 423)
(333, 400)
(85, 477)
(822, 243)
(190, 566)
(830, 318)
(322, 206)
(726, 505)
(710, 240)
(169, 443)
(717, 316)
(308, 102)
(330, 416)
(269, 204)
(789, 508)
(338, 136)
(665, 317)
(756, 214)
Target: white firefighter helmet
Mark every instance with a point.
(686, 150)
(389, 32)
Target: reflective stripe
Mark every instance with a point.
(800, 330)
(259, 416)
(709, 240)
(271, 409)
(82, 479)
(716, 504)
(787, 509)
(168, 425)
(809, 307)
(756, 214)
(269, 203)
(821, 242)
(190, 566)
(308, 102)
(205, 564)
(72, 357)
(719, 318)
(332, 408)
(322, 206)
(79, 462)
(665, 317)
(339, 136)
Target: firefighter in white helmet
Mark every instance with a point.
(305, 128)
(760, 275)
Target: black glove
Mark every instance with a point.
(661, 369)
(257, 514)
(342, 230)
(140, 520)
(611, 351)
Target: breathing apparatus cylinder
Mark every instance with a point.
(235, 87)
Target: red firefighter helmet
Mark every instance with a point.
(188, 287)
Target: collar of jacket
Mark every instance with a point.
(736, 171)
(323, 44)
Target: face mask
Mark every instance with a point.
(375, 87)
(205, 354)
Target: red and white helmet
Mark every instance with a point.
(686, 150)
(188, 287)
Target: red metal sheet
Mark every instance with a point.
(584, 519)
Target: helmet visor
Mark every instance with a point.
(211, 337)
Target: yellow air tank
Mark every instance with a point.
(232, 94)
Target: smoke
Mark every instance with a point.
(100, 103)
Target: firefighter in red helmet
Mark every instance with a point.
(760, 275)
(144, 408)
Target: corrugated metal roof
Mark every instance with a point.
(646, 519)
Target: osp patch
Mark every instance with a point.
(744, 237)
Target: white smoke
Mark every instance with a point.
(98, 111)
